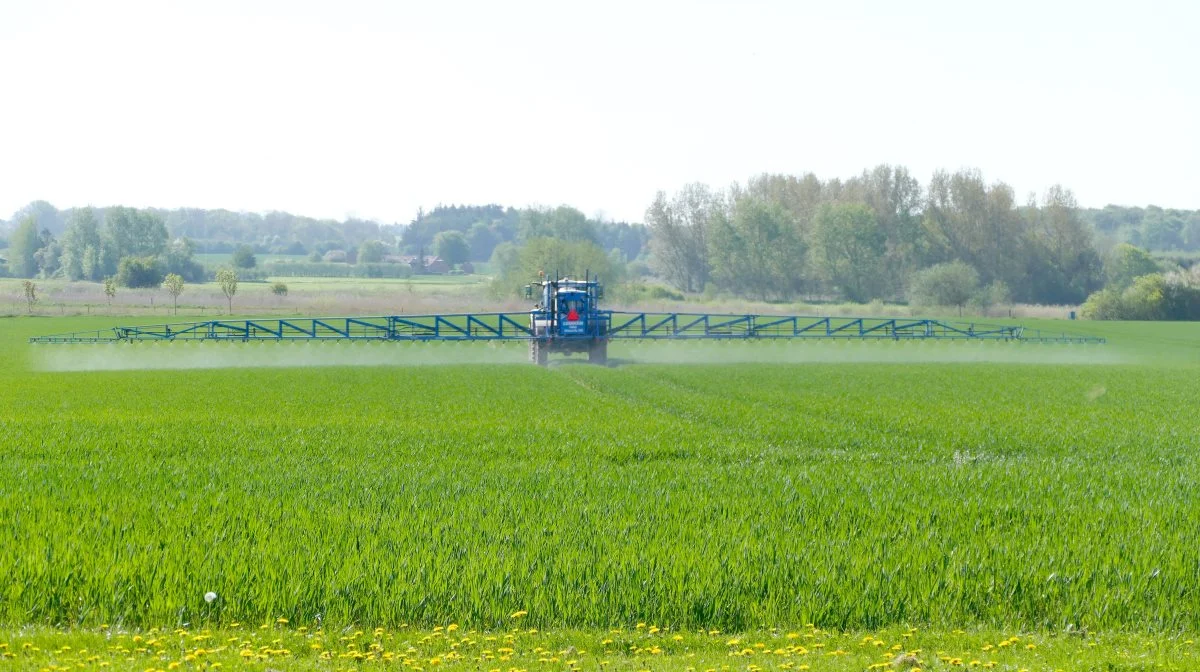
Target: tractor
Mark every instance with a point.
(567, 318)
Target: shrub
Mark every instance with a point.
(371, 252)
(951, 284)
(243, 257)
(139, 272)
(1175, 296)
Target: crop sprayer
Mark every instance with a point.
(567, 318)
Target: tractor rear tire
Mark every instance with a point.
(537, 352)
(598, 353)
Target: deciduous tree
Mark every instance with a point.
(371, 252)
(243, 257)
(173, 283)
(22, 249)
(849, 248)
(452, 247)
(679, 235)
(227, 279)
(1124, 263)
(31, 294)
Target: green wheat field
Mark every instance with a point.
(728, 507)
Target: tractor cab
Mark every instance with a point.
(572, 309)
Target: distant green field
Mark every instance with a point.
(861, 488)
(215, 260)
(420, 280)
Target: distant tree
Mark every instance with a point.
(521, 265)
(679, 233)
(22, 249)
(758, 251)
(31, 295)
(949, 284)
(44, 215)
(173, 283)
(81, 245)
(136, 233)
(110, 290)
(506, 255)
(482, 241)
(1124, 263)
(295, 248)
(420, 232)
(848, 249)
(227, 279)
(279, 289)
(995, 294)
(139, 272)
(179, 259)
(1065, 267)
(371, 252)
(1163, 229)
(243, 257)
(92, 263)
(48, 256)
(564, 223)
(452, 247)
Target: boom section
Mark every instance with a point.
(452, 327)
(558, 325)
(731, 326)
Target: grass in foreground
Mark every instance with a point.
(643, 647)
(1039, 497)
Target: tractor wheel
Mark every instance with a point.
(598, 353)
(537, 352)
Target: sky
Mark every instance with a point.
(377, 108)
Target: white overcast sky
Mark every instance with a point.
(374, 109)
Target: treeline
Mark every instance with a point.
(221, 231)
(484, 228)
(89, 243)
(868, 237)
(1152, 227)
(129, 244)
(880, 235)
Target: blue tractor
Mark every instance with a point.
(567, 318)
